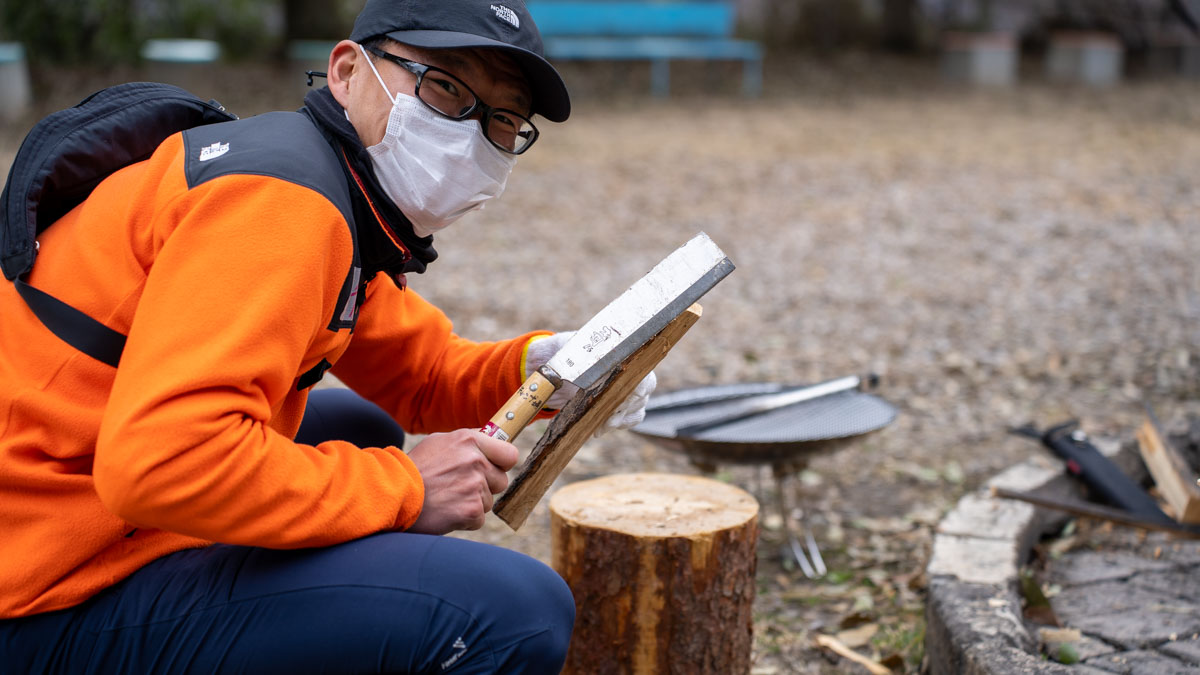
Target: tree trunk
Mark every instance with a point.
(662, 569)
(312, 20)
(900, 25)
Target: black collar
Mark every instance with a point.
(386, 239)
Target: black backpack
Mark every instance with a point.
(62, 159)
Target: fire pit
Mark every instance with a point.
(768, 424)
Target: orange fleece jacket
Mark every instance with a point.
(225, 292)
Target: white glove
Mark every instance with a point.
(630, 413)
(541, 348)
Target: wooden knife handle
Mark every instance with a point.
(522, 406)
(580, 418)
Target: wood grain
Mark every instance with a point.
(662, 568)
(520, 408)
(580, 418)
(1175, 479)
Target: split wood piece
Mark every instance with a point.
(1175, 479)
(662, 569)
(1097, 511)
(580, 418)
(836, 646)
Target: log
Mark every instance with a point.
(580, 418)
(1175, 479)
(662, 569)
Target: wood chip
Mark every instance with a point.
(1058, 635)
(834, 645)
(858, 637)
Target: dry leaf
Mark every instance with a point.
(858, 637)
(855, 620)
(835, 645)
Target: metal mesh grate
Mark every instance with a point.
(840, 415)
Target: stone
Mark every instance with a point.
(1088, 647)
(971, 627)
(974, 560)
(1141, 662)
(1084, 669)
(1185, 649)
(1087, 567)
(1178, 583)
(979, 515)
(1124, 614)
(1028, 475)
(1110, 663)
(1010, 661)
(1181, 553)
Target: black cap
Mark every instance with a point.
(499, 24)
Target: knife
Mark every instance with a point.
(765, 403)
(617, 331)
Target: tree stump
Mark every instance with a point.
(662, 569)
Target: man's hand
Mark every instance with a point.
(461, 470)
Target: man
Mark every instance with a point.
(243, 260)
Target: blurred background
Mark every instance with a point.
(129, 38)
(993, 205)
(112, 32)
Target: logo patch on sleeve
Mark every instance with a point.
(213, 151)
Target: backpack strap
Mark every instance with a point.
(73, 326)
(69, 152)
(61, 161)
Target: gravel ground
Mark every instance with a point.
(998, 257)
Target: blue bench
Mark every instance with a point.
(659, 31)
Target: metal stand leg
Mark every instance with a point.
(760, 491)
(752, 78)
(812, 564)
(660, 77)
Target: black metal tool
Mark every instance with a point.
(1103, 477)
(765, 403)
(1092, 510)
(750, 429)
(1185, 13)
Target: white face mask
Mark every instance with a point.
(433, 168)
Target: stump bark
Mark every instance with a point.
(662, 569)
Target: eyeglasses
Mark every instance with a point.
(448, 96)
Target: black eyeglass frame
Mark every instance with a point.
(420, 69)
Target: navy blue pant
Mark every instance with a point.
(389, 603)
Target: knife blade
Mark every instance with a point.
(765, 403)
(618, 330)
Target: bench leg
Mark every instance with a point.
(752, 78)
(660, 77)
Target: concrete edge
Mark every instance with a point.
(973, 609)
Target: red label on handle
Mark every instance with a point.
(490, 429)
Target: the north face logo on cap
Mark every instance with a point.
(505, 14)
